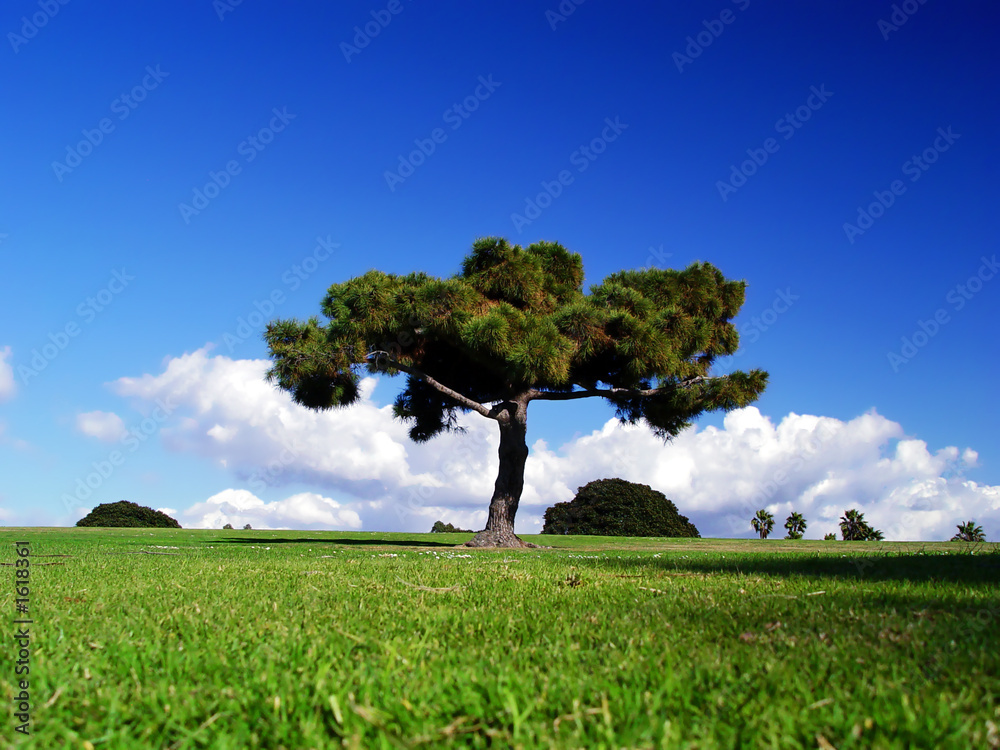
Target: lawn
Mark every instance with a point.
(271, 639)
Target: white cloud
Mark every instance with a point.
(8, 386)
(222, 434)
(106, 426)
(818, 466)
(306, 510)
(226, 412)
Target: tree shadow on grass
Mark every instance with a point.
(335, 542)
(978, 569)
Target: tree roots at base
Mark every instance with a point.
(494, 539)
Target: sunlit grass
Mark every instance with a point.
(316, 639)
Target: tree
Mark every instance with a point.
(616, 507)
(762, 523)
(440, 527)
(969, 532)
(795, 524)
(830, 537)
(127, 514)
(854, 528)
(515, 326)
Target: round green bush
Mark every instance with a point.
(615, 507)
(124, 513)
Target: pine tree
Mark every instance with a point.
(515, 326)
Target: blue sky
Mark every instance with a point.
(740, 133)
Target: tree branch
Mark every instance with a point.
(384, 360)
(609, 392)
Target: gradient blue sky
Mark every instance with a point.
(557, 80)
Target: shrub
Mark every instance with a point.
(440, 527)
(248, 527)
(124, 513)
(830, 538)
(228, 526)
(615, 507)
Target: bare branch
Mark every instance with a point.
(385, 360)
(610, 392)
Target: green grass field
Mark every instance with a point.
(281, 639)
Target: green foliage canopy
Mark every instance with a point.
(515, 323)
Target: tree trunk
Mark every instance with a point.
(499, 531)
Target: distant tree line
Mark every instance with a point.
(853, 528)
(440, 527)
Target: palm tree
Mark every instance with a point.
(969, 532)
(854, 528)
(795, 524)
(762, 523)
(851, 525)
